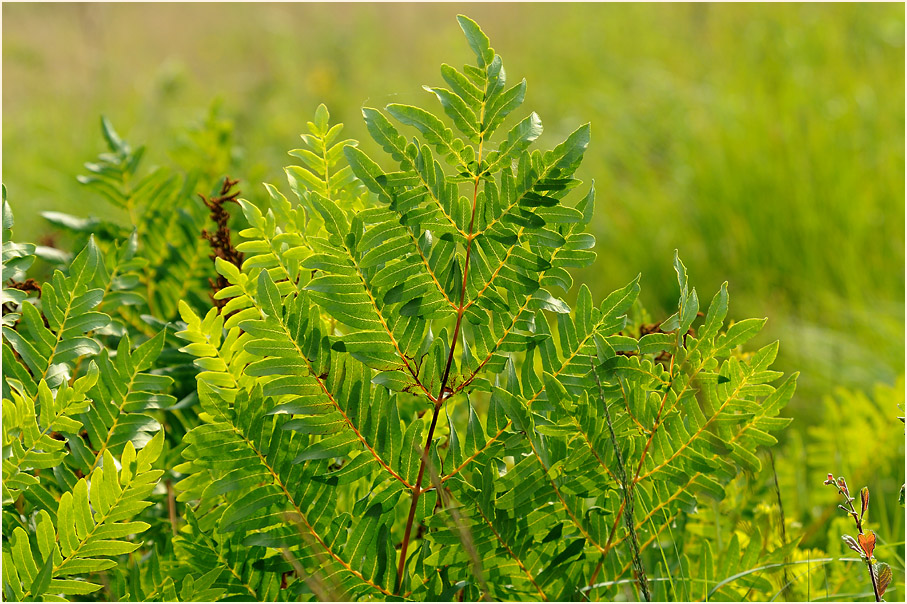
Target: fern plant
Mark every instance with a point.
(398, 402)
(69, 502)
(391, 396)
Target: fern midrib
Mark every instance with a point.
(116, 420)
(58, 336)
(439, 401)
(515, 203)
(617, 517)
(627, 407)
(41, 434)
(330, 396)
(585, 436)
(516, 315)
(497, 270)
(564, 504)
(374, 302)
(431, 194)
(427, 187)
(496, 345)
(538, 393)
(278, 256)
(449, 145)
(113, 275)
(658, 416)
(383, 321)
(327, 169)
(689, 482)
(428, 268)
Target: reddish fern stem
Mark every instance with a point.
(439, 401)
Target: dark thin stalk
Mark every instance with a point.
(872, 575)
(627, 489)
(782, 528)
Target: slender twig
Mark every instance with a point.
(417, 491)
(781, 527)
(841, 485)
(627, 488)
(656, 424)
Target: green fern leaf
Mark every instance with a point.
(67, 303)
(123, 396)
(36, 436)
(91, 523)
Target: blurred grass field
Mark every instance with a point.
(765, 142)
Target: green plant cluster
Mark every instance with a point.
(376, 390)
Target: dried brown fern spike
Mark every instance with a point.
(221, 243)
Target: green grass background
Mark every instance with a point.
(765, 142)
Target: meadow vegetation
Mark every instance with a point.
(765, 143)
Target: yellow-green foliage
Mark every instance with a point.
(394, 389)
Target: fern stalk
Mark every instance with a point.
(439, 401)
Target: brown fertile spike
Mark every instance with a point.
(221, 242)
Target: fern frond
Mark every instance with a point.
(322, 154)
(122, 398)
(343, 339)
(36, 429)
(122, 272)
(111, 174)
(275, 477)
(228, 561)
(520, 550)
(67, 304)
(91, 522)
(166, 220)
(268, 493)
